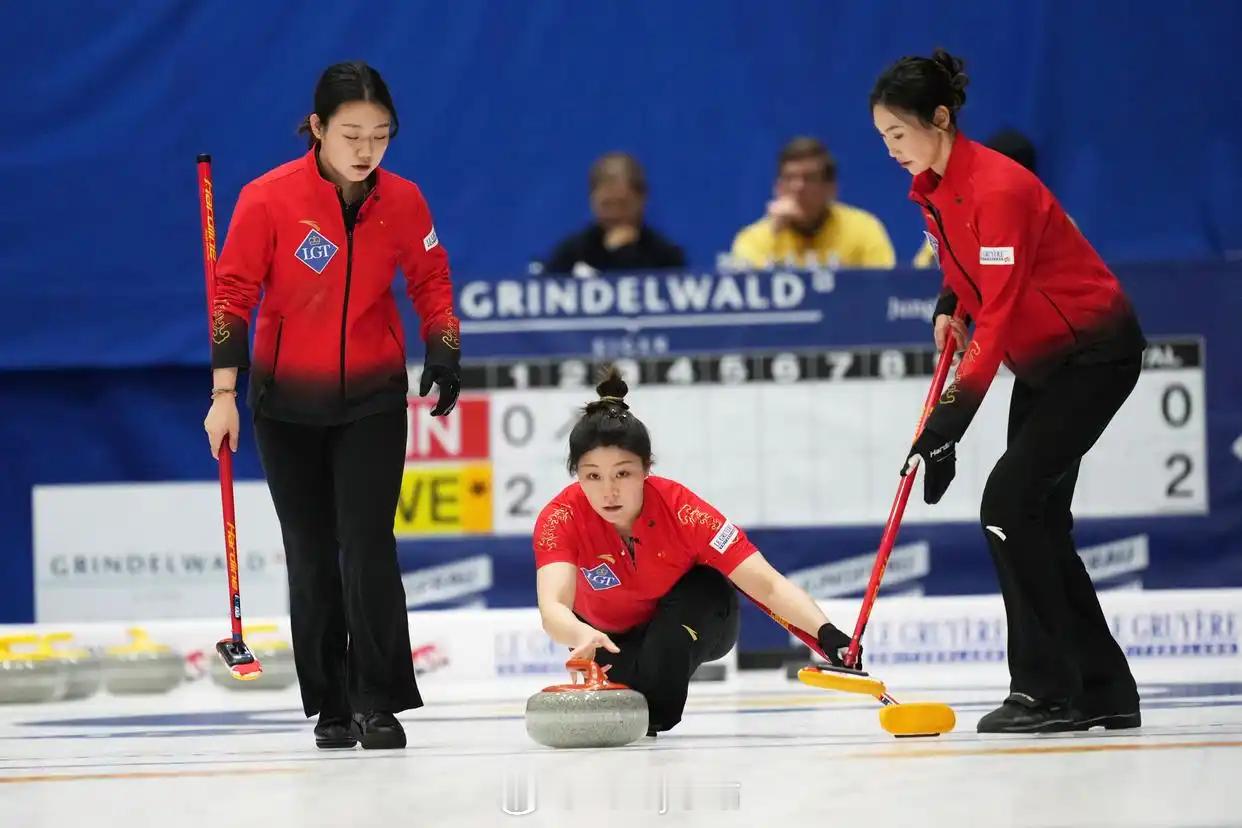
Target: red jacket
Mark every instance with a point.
(675, 531)
(328, 344)
(1037, 291)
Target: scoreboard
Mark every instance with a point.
(798, 437)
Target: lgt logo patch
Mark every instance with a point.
(316, 251)
(601, 577)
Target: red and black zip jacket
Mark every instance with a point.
(328, 343)
(1039, 294)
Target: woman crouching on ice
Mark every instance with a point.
(634, 570)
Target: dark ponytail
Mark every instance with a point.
(608, 422)
(343, 83)
(920, 85)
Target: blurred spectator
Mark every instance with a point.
(806, 225)
(1008, 142)
(618, 239)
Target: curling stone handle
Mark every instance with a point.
(590, 673)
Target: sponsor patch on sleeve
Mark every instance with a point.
(430, 240)
(995, 255)
(724, 538)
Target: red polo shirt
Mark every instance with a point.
(675, 531)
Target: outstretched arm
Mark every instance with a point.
(555, 585)
(758, 579)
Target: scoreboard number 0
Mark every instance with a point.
(517, 425)
(1175, 405)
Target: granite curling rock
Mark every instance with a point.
(589, 712)
(142, 666)
(272, 651)
(28, 673)
(84, 667)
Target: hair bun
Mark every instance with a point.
(955, 68)
(612, 390)
(611, 387)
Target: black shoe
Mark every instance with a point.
(1021, 713)
(1111, 721)
(1115, 709)
(334, 733)
(379, 731)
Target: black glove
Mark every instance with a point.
(835, 643)
(939, 464)
(442, 365)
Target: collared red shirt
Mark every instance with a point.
(616, 589)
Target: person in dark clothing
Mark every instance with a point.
(618, 239)
(319, 238)
(1043, 302)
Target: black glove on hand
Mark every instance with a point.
(834, 643)
(442, 365)
(939, 464)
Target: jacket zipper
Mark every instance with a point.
(628, 553)
(349, 272)
(945, 237)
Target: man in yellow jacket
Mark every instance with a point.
(806, 226)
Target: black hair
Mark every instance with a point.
(343, 83)
(608, 422)
(920, 85)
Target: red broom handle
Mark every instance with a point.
(893, 524)
(207, 214)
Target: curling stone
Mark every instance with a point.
(589, 712)
(28, 673)
(272, 651)
(711, 671)
(84, 668)
(142, 666)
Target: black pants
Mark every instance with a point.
(335, 489)
(1060, 646)
(696, 622)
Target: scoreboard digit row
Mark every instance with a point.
(783, 366)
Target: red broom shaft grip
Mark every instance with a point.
(230, 535)
(207, 215)
(893, 524)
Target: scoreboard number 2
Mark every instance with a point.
(519, 488)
